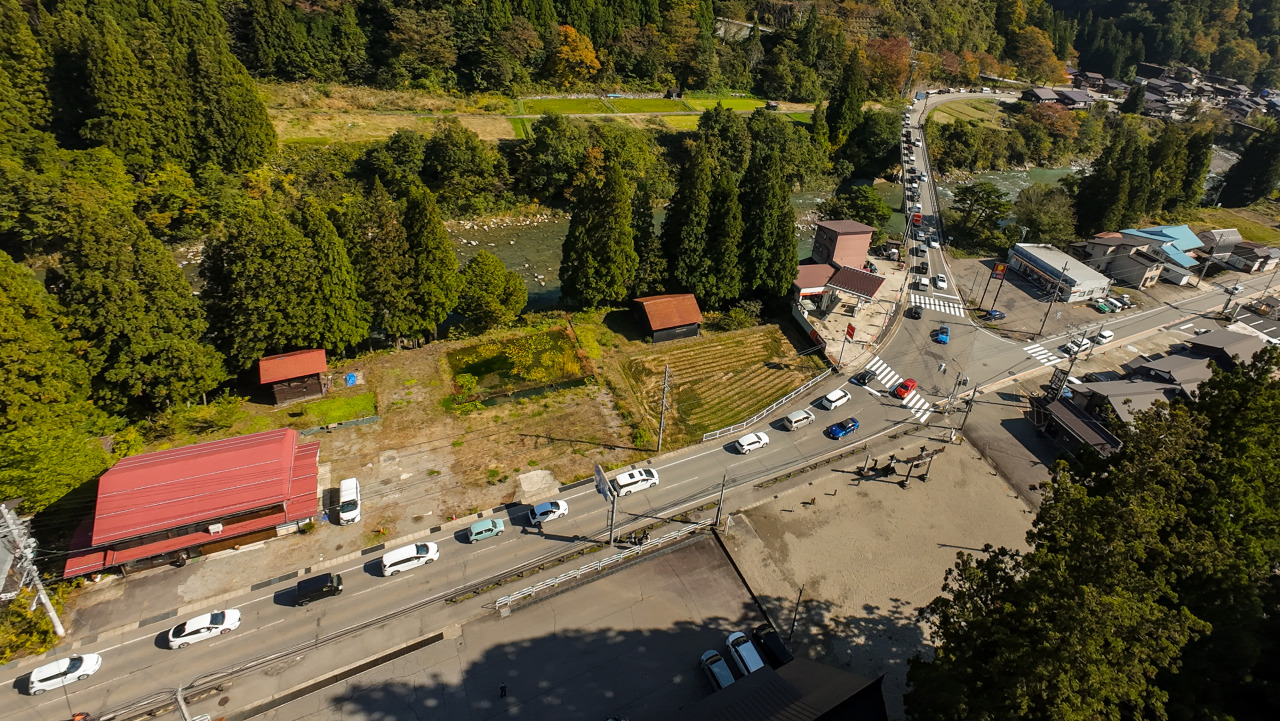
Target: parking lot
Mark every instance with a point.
(628, 644)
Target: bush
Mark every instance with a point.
(28, 632)
(642, 438)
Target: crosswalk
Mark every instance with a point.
(918, 405)
(942, 306)
(1042, 354)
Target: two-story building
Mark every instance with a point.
(1125, 260)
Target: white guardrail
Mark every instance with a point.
(773, 407)
(600, 565)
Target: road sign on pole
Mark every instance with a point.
(602, 484)
(998, 271)
(848, 331)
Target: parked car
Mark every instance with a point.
(862, 378)
(916, 219)
(1079, 345)
(402, 559)
(717, 670)
(933, 242)
(944, 334)
(316, 588)
(993, 315)
(1235, 289)
(1104, 336)
(488, 528)
(637, 480)
(924, 177)
(203, 627)
(904, 388)
(752, 441)
(940, 281)
(871, 267)
(799, 418)
(843, 428)
(916, 208)
(59, 673)
(835, 399)
(775, 649)
(915, 312)
(348, 501)
(548, 511)
(1102, 306)
(744, 654)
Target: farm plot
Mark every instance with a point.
(567, 106)
(648, 105)
(983, 111)
(730, 103)
(718, 380)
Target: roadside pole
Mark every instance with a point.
(24, 557)
(662, 424)
(604, 488)
(1052, 298)
(720, 501)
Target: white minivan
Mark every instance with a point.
(407, 557)
(348, 501)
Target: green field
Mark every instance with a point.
(648, 105)
(567, 106)
(681, 122)
(522, 128)
(983, 111)
(730, 103)
(1253, 226)
(336, 410)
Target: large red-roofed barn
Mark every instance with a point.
(159, 507)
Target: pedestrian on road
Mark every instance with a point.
(502, 690)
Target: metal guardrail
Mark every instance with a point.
(506, 601)
(772, 407)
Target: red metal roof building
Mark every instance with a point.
(190, 499)
(295, 375)
(670, 316)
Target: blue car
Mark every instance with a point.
(843, 428)
(993, 315)
(944, 335)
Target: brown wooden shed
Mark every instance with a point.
(294, 376)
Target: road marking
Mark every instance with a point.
(919, 406)
(1185, 326)
(1043, 355)
(942, 306)
(883, 372)
(944, 295)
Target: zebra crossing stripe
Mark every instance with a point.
(924, 417)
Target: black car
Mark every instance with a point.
(864, 377)
(775, 649)
(915, 312)
(317, 587)
(924, 268)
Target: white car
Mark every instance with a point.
(911, 158)
(62, 672)
(1235, 289)
(744, 653)
(916, 142)
(1079, 345)
(835, 399)
(549, 511)
(933, 243)
(752, 441)
(1104, 336)
(917, 208)
(940, 281)
(204, 627)
(637, 480)
(407, 557)
(924, 177)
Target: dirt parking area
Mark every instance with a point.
(868, 553)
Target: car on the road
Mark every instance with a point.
(752, 441)
(911, 158)
(915, 312)
(1078, 345)
(488, 528)
(842, 428)
(904, 388)
(316, 588)
(717, 670)
(744, 653)
(923, 268)
(864, 377)
(993, 315)
(917, 219)
(917, 208)
(924, 177)
(911, 170)
(1104, 336)
(1235, 289)
(916, 142)
(799, 418)
(944, 334)
(775, 649)
(637, 480)
(203, 627)
(548, 511)
(396, 561)
(835, 399)
(57, 674)
(933, 242)
(940, 281)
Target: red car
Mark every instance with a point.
(904, 388)
(917, 219)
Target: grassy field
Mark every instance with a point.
(648, 105)
(718, 380)
(567, 106)
(307, 125)
(1253, 225)
(336, 410)
(983, 111)
(681, 122)
(730, 103)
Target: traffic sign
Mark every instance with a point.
(998, 271)
(602, 484)
(848, 331)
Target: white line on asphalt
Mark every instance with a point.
(944, 295)
(1185, 326)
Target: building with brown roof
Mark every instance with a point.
(668, 317)
(294, 376)
(842, 243)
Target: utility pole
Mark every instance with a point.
(23, 549)
(720, 502)
(666, 386)
(1052, 298)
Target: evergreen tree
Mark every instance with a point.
(598, 257)
(769, 220)
(651, 263)
(1255, 174)
(435, 280)
(844, 112)
(491, 295)
(24, 62)
(1199, 158)
(232, 130)
(684, 231)
(1113, 195)
(383, 265)
(727, 139)
(337, 320)
(1168, 162)
(128, 300)
(1136, 100)
(724, 238)
(120, 96)
(820, 135)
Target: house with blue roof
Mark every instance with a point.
(1172, 244)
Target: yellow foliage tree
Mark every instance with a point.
(575, 59)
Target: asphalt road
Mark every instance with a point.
(139, 666)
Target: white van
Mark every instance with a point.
(797, 419)
(410, 556)
(348, 501)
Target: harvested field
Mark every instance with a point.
(308, 125)
(568, 106)
(730, 103)
(983, 111)
(489, 127)
(718, 380)
(681, 122)
(648, 105)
